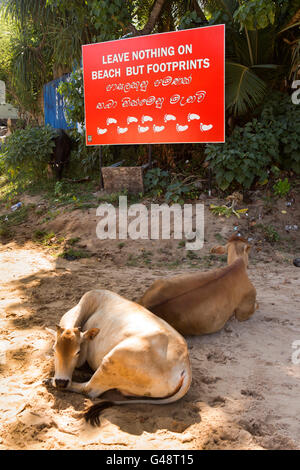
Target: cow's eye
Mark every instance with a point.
(78, 352)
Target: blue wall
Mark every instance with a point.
(54, 104)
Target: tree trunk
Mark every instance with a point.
(153, 17)
(199, 11)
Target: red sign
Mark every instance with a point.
(162, 88)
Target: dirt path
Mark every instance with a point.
(245, 389)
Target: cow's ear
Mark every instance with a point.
(52, 332)
(219, 250)
(59, 329)
(247, 248)
(90, 334)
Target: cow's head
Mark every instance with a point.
(67, 347)
(236, 247)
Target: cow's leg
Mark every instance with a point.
(86, 388)
(246, 308)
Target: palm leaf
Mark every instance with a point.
(244, 89)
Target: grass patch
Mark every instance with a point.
(73, 241)
(70, 254)
(47, 238)
(43, 237)
(270, 233)
(192, 255)
(50, 215)
(5, 232)
(15, 218)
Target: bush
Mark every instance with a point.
(160, 183)
(263, 146)
(26, 152)
(156, 181)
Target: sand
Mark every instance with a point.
(245, 388)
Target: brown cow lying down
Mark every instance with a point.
(201, 303)
(128, 347)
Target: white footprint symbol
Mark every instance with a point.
(146, 119)
(131, 119)
(205, 127)
(193, 116)
(180, 128)
(158, 128)
(111, 121)
(122, 130)
(142, 129)
(169, 117)
(101, 131)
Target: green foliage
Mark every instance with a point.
(255, 14)
(190, 20)
(159, 183)
(43, 237)
(282, 187)
(5, 48)
(259, 148)
(156, 181)
(111, 18)
(47, 35)
(245, 90)
(8, 221)
(245, 157)
(270, 233)
(26, 152)
(258, 56)
(87, 158)
(70, 254)
(283, 119)
(72, 91)
(176, 192)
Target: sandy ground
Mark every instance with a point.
(245, 388)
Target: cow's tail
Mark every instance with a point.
(92, 414)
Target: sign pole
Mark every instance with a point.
(149, 156)
(100, 167)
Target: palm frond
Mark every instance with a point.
(244, 89)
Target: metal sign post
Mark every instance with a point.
(100, 167)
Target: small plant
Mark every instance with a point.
(191, 255)
(159, 183)
(5, 232)
(176, 191)
(156, 181)
(73, 241)
(282, 188)
(270, 233)
(71, 254)
(15, 218)
(43, 237)
(58, 188)
(226, 211)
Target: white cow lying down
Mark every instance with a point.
(128, 347)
